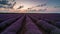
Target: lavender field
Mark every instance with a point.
(28, 23)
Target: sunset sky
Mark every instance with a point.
(49, 5)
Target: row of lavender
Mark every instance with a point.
(29, 23)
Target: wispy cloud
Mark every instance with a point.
(41, 5)
(56, 6)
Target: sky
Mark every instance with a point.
(36, 6)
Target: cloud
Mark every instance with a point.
(38, 5)
(57, 7)
(1, 6)
(41, 5)
(5, 4)
(42, 9)
(20, 7)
